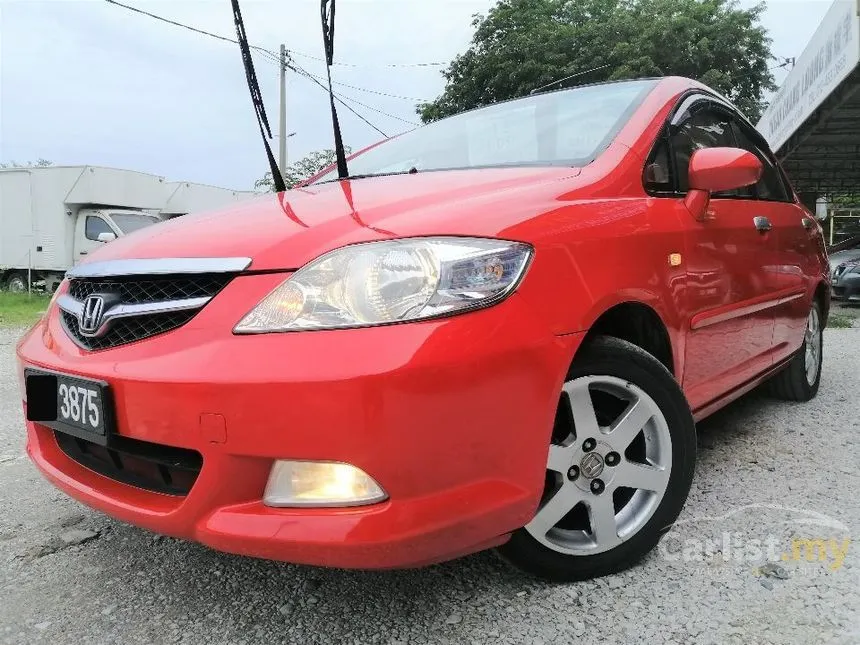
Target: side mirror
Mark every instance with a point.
(716, 169)
(106, 237)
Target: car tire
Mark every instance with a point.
(799, 381)
(609, 369)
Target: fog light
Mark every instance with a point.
(320, 483)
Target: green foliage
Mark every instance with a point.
(840, 321)
(301, 170)
(39, 163)
(521, 45)
(21, 309)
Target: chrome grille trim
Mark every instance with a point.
(117, 302)
(76, 308)
(158, 266)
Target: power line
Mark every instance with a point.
(274, 58)
(317, 58)
(268, 53)
(785, 63)
(377, 92)
(337, 97)
(310, 77)
(349, 98)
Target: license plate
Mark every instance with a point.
(71, 404)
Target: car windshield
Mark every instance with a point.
(131, 222)
(565, 128)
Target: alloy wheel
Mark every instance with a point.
(813, 345)
(608, 467)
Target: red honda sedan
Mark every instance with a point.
(498, 332)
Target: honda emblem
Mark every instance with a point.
(92, 314)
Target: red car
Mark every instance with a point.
(498, 332)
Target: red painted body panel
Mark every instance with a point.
(452, 416)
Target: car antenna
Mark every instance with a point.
(327, 15)
(257, 98)
(567, 78)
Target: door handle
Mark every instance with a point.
(82, 252)
(762, 224)
(807, 223)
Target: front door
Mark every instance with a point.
(732, 268)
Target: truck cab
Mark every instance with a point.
(95, 227)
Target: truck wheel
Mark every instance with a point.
(16, 283)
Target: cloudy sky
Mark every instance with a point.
(84, 81)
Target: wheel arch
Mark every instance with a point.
(637, 323)
(822, 297)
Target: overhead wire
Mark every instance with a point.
(266, 52)
(304, 72)
(337, 98)
(342, 64)
(272, 57)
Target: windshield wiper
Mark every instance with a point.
(368, 175)
(257, 97)
(327, 15)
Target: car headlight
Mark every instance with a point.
(376, 283)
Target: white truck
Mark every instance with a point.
(51, 218)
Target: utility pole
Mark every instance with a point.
(283, 123)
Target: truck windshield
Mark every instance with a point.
(564, 128)
(131, 222)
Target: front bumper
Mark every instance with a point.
(846, 287)
(452, 418)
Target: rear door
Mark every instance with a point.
(731, 281)
(798, 238)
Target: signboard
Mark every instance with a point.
(830, 56)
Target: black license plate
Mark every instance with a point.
(71, 404)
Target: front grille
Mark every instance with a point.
(127, 330)
(140, 290)
(154, 467)
(136, 290)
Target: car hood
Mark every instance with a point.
(287, 230)
(845, 256)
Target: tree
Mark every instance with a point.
(301, 170)
(521, 45)
(39, 163)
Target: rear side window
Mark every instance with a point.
(770, 186)
(95, 226)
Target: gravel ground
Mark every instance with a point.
(768, 471)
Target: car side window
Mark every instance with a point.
(658, 170)
(94, 227)
(702, 128)
(770, 187)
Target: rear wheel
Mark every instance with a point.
(800, 380)
(619, 466)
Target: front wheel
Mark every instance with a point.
(16, 283)
(619, 466)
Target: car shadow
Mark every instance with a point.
(197, 589)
